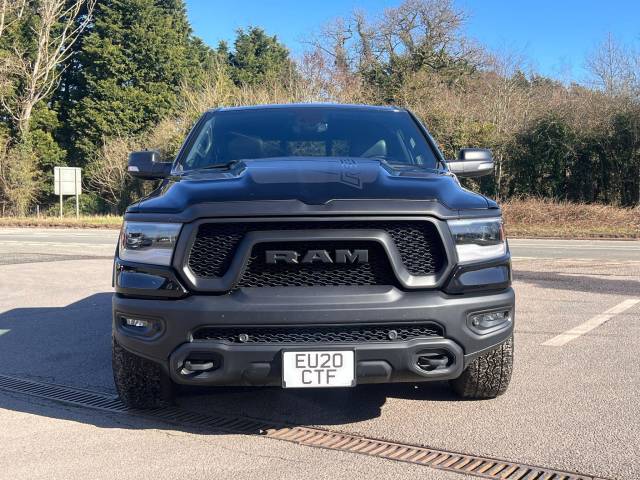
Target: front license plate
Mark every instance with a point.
(318, 369)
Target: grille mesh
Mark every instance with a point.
(418, 242)
(316, 334)
(261, 274)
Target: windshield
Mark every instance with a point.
(226, 136)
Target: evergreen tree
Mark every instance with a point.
(257, 57)
(129, 71)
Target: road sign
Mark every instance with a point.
(68, 181)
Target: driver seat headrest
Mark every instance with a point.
(241, 147)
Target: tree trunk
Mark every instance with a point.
(25, 120)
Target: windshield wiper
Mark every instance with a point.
(385, 159)
(214, 166)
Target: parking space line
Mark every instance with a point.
(595, 322)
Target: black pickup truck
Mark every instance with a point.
(308, 246)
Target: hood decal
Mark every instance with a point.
(350, 174)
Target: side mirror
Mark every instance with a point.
(472, 162)
(148, 165)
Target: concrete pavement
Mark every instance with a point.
(570, 407)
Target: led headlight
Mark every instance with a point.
(144, 242)
(478, 239)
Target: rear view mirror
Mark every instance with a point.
(472, 162)
(148, 165)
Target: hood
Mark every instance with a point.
(313, 181)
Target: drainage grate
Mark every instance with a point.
(74, 396)
(111, 403)
(483, 467)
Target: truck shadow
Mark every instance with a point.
(71, 346)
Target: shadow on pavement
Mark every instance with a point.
(577, 282)
(69, 345)
(72, 346)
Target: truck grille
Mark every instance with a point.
(418, 242)
(319, 334)
(260, 274)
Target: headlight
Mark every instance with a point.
(478, 239)
(152, 243)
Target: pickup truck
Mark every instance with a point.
(311, 246)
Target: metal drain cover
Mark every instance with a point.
(483, 467)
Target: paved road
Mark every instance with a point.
(570, 406)
(604, 250)
(102, 242)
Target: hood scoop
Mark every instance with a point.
(312, 181)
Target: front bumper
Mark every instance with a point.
(171, 343)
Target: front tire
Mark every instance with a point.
(488, 376)
(140, 383)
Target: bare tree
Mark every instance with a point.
(59, 25)
(108, 172)
(427, 32)
(334, 41)
(366, 38)
(614, 67)
(506, 104)
(332, 58)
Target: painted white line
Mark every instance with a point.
(2, 332)
(590, 324)
(630, 248)
(55, 244)
(599, 261)
(556, 241)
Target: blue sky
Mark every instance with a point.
(553, 36)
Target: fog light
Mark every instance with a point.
(136, 322)
(141, 327)
(490, 320)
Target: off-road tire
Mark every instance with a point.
(488, 375)
(140, 383)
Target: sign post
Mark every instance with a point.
(68, 181)
(59, 189)
(77, 181)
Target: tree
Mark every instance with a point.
(11, 11)
(36, 44)
(614, 68)
(41, 41)
(546, 152)
(417, 35)
(257, 58)
(130, 71)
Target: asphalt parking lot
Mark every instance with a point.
(572, 404)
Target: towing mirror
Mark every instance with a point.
(148, 165)
(472, 162)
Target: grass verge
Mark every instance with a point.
(523, 218)
(92, 221)
(552, 219)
